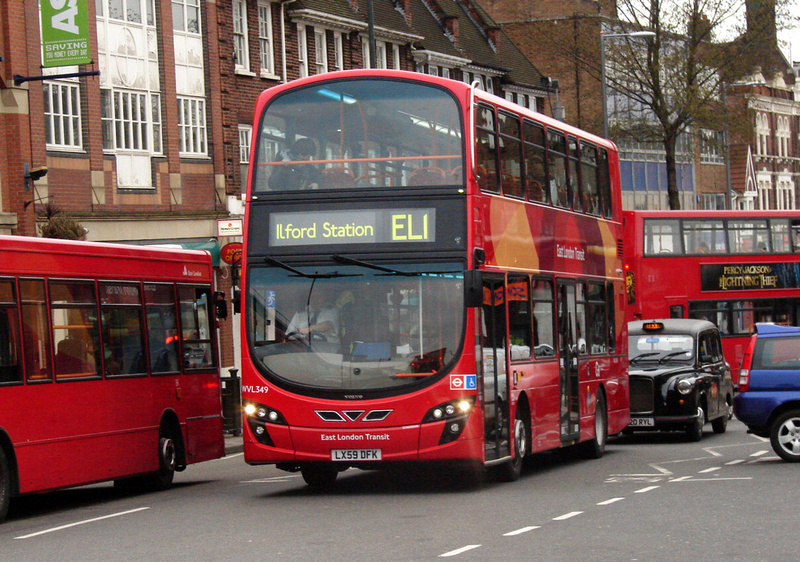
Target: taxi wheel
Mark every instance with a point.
(785, 436)
(720, 424)
(319, 475)
(695, 431)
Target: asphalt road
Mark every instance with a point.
(651, 497)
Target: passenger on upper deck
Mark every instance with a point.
(291, 175)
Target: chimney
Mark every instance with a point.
(451, 25)
(405, 9)
(493, 33)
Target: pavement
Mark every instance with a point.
(233, 444)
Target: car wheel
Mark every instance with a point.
(595, 448)
(785, 436)
(695, 431)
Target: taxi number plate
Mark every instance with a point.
(355, 454)
(642, 422)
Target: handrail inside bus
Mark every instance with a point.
(347, 160)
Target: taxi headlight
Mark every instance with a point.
(684, 386)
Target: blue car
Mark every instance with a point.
(769, 388)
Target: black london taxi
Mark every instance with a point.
(679, 379)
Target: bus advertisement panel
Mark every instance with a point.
(413, 292)
(734, 268)
(119, 343)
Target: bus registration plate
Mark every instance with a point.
(355, 454)
(642, 422)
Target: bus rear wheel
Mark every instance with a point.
(319, 475)
(5, 485)
(596, 447)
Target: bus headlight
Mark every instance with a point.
(258, 416)
(455, 414)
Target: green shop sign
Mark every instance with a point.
(65, 32)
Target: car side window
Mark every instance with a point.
(704, 350)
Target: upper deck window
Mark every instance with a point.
(359, 134)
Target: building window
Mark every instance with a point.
(131, 120)
(320, 51)
(338, 48)
(265, 37)
(62, 115)
(240, 49)
(245, 137)
(302, 50)
(185, 15)
(712, 147)
(192, 126)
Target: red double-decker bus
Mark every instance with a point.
(108, 364)
(431, 274)
(734, 268)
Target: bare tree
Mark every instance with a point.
(674, 81)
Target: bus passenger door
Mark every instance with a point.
(494, 382)
(568, 362)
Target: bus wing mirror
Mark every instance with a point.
(473, 288)
(221, 307)
(236, 301)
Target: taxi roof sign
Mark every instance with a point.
(653, 326)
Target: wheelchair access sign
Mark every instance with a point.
(463, 382)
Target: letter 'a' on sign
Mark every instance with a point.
(65, 32)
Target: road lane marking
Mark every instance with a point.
(643, 490)
(84, 522)
(737, 461)
(609, 502)
(270, 479)
(228, 457)
(712, 469)
(567, 515)
(681, 479)
(458, 551)
(759, 453)
(520, 531)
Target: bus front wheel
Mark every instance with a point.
(319, 475)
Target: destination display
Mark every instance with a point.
(745, 277)
(365, 226)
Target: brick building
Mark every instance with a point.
(555, 35)
(149, 143)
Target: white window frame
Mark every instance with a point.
(245, 139)
(712, 146)
(192, 133)
(134, 124)
(241, 50)
(302, 50)
(320, 51)
(338, 51)
(189, 12)
(395, 56)
(266, 39)
(62, 115)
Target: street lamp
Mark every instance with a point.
(603, 37)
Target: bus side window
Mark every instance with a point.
(486, 149)
(542, 299)
(35, 330)
(10, 364)
(519, 317)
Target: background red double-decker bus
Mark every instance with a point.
(431, 273)
(734, 268)
(108, 364)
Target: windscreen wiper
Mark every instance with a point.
(289, 268)
(352, 261)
